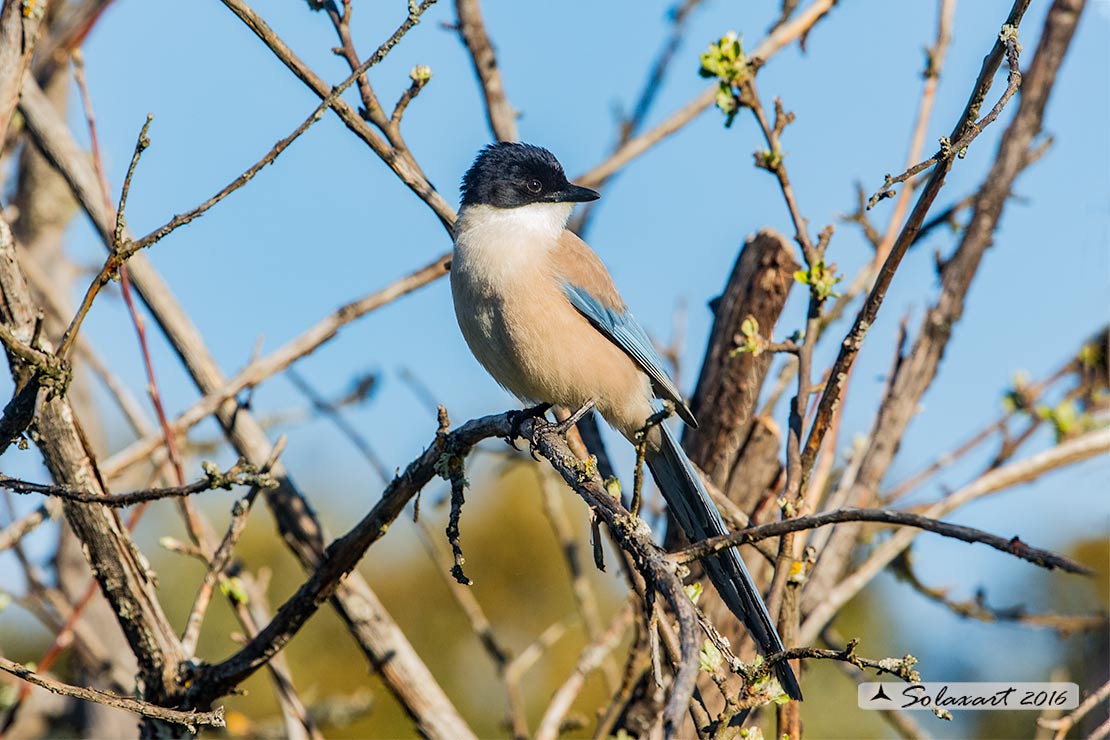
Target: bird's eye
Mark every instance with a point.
(534, 186)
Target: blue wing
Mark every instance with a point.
(621, 328)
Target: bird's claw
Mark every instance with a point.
(517, 420)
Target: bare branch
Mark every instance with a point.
(950, 149)
(43, 361)
(977, 607)
(342, 556)
(26, 524)
(420, 77)
(897, 719)
(585, 599)
(327, 101)
(191, 720)
(588, 661)
(916, 371)
(1022, 471)
(1063, 724)
(472, 30)
(240, 474)
(116, 258)
(850, 347)
(221, 557)
(345, 552)
(402, 163)
(1013, 546)
(782, 36)
(18, 33)
(903, 667)
(123, 577)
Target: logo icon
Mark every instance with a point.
(880, 694)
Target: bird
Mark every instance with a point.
(540, 312)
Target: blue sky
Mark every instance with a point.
(328, 222)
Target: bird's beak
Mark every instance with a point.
(575, 194)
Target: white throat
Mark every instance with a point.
(536, 220)
(497, 242)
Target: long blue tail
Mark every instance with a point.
(692, 508)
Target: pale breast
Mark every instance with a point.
(524, 331)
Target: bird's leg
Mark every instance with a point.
(564, 426)
(519, 417)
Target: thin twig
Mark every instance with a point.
(899, 720)
(591, 657)
(781, 37)
(950, 149)
(26, 524)
(111, 267)
(902, 667)
(585, 599)
(372, 110)
(332, 412)
(222, 555)
(1026, 396)
(531, 654)
(420, 77)
(977, 607)
(472, 31)
(1065, 723)
(1012, 546)
(480, 624)
(191, 720)
(116, 257)
(239, 474)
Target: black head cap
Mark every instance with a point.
(510, 175)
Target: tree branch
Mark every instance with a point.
(1065, 723)
(781, 37)
(977, 607)
(342, 556)
(26, 524)
(472, 30)
(240, 474)
(123, 577)
(590, 658)
(850, 347)
(401, 163)
(191, 720)
(1021, 471)
(1012, 546)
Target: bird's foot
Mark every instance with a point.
(565, 425)
(519, 417)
